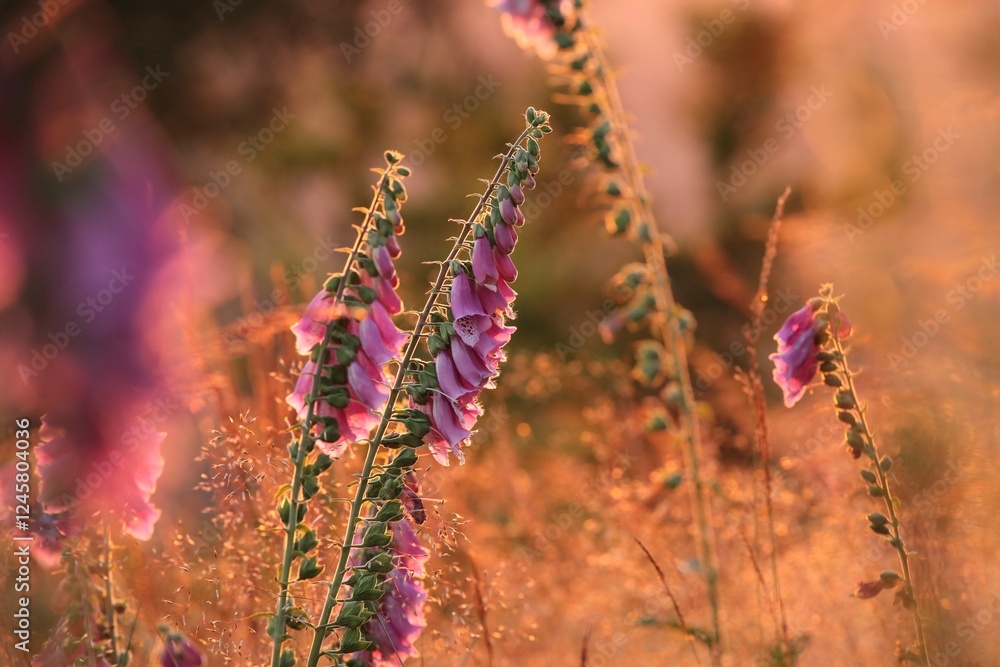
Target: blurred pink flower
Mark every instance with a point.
(180, 652)
(526, 22)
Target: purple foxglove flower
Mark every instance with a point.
(380, 337)
(367, 382)
(470, 326)
(517, 195)
(386, 293)
(180, 652)
(471, 368)
(498, 301)
(493, 338)
(447, 420)
(383, 262)
(484, 265)
(453, 385)
(506, 238)
(505, 265)
(311, 326)
(528, 183)
(508, 211)
(392, 243)
(464, 301)
(796, 361)
(518, 217)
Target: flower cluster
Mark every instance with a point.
(468, 344)
(358, 307)
(398, 618)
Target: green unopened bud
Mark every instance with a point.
(885, 463)
(353, 641)
(406, 458)
(310, 568)
(847, 418)
(877, 519)
(845, 401)
(380, 563)
(890, 578)
(869, 476)
(375, 535)
(832, 380)
(391, 511)
(307, 542)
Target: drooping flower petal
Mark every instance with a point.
(506, 237)
(464, 301)
(796, 361)
(505, 265)
(483, 264)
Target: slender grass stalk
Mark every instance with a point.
(305, 435)
(673, 600)
(333, 590)
(755, 388)
(108, 594)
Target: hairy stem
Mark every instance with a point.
(882, 481)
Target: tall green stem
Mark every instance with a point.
(333, 590)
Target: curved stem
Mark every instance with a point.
(333, 591)
(883, 484)
(306, 438)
